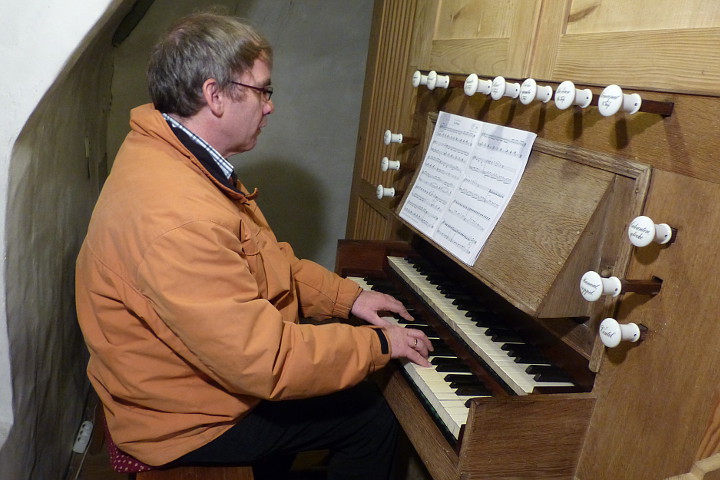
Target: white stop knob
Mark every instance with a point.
(435, 80)
(612, 332)
(384, 192)
(474, 85)
(643, 231)
(390, 137)
(612, 100)
(530, 91)
(500, 88)
(387, 164)
(567, 95)
(593, 286)
(419, 79)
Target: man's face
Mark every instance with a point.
(247, 115)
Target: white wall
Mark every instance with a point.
(45, 197)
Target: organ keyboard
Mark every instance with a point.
(449, 384)
(495, 376)
(487, 335)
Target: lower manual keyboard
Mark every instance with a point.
(446, 386)
(495, 346)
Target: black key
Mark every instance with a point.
(452, 368)
(484, 318)
(465, 380)
(441, 349)
(437, 342)
(473, 390)
(548, 373)
(529, 358)
(490, 323)
(503, 335)
(445, 361)
(458, 377)
(514, 349)
(533, 369)
(466, 305)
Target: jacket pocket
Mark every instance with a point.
(251, 250)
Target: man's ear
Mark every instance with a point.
(214, 97)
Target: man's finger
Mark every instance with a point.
(418, 359)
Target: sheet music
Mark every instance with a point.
(469, 174)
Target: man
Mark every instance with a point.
(189, 305)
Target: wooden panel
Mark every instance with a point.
(656, 60)
(199, 473)
(422, 35)
(435, 452)
(475, 19)
(542, 223)
(489, 36)
(487, 55)
(387, 82)
(553, 19)
(593, 16)
(370, 223)
(656, 399)
(536, 436)
(654, 45)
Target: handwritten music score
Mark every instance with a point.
(470, 172)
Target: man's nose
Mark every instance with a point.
(269, 107)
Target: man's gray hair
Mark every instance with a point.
(199, 47)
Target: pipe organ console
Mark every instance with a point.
(582, 342)
(513, 337)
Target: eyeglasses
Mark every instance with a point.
(266, 92)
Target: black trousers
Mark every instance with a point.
(356, 425)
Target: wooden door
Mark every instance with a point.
(662, 45)
(487, 37)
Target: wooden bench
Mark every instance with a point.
(121, 462)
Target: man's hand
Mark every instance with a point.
(409, 344)
(369, 303)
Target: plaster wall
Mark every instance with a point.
(54, 89)
(303, 162)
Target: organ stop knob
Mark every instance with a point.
(567, 95)
(387, 164)
(419, 79)
(530, 90)
(612, 100)
(593, 286)
(435, 80)
(474, 85)
(390, 137)
(501, 88)
(384, 192)
(612, 332)
(643, 231)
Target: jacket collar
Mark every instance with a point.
(148, 121)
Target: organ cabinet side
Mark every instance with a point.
(648, 409)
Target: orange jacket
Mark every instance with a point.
(190, 306)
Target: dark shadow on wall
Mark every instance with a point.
(291, 199)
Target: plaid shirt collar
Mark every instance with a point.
(225, 166)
